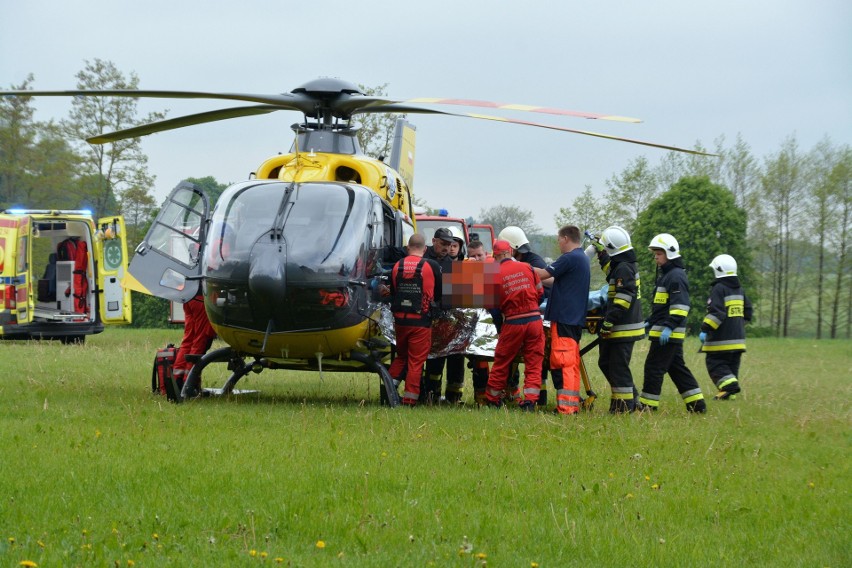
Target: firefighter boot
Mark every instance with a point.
(729, 391)
(697, 406)
(621, 405)
(527, 406)
(430, 389)
(479, 397)
(542, 395)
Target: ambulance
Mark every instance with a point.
(61, 274)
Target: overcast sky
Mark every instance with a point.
(692, 70)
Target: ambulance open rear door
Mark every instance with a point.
(115, 305)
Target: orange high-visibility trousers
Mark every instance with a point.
(565, 369)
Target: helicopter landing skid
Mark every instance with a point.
(221, 392)
(374, 364)
(192, 386)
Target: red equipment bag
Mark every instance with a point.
(163, 381)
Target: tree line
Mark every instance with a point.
(784, 217)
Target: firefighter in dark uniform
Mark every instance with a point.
(415, 285)
(522, 332)
(667, 330)
(431, 391)
(521, 252)
(623, 324)
(723, 329)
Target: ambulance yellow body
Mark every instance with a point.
(60, 274)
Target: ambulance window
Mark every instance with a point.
(22, 255)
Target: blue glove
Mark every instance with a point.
(664, 335)
(702, 337)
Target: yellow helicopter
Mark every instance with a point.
(288, 261)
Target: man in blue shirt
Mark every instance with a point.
(566, 311)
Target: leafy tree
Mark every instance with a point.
(376, 133)
(211, 187)
(783, 185)
(586, 211)
(821, 216)
(17, 138)
(150, 311)
(138, 208)
(501, 216)
(706, 221)
(119, 166)
(740, 172)
(840, 181)
(630, 192)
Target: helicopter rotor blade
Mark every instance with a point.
(180, 122)
(340, 104)
(285, 100)
(404, 108)
(524, 108)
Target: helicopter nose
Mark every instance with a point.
(267, 274)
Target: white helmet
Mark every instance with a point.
(724, 265)
(615, 240)
(457, 233)
(666, 242)
(516, 237)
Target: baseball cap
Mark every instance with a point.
(501, 246)
(444, 234)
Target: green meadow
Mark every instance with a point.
(311, 471)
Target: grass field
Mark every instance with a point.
(95, 470)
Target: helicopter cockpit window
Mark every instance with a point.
(323, 225)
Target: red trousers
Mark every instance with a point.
(198, 335)
(412, 348)
(527, 339)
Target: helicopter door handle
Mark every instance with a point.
(358, 282)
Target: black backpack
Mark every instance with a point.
(408, 292)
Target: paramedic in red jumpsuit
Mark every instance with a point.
(519, 294)
(198, 335)
(413, 324)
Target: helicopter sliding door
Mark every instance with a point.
(167, 264)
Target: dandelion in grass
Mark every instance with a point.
(264, 555)
(29, 563)
(811, 484)
(131, 562)
(533, 564)
(12, 540)
(279, 560)
(655, 486)
(629, 496)
(252, 553)
(320, 544)
(481, 556)
(647, 478)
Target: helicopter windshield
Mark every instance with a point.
(323, 225)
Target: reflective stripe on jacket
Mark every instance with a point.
(670, 305)
(728, 310)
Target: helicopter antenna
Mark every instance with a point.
(298, 155)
